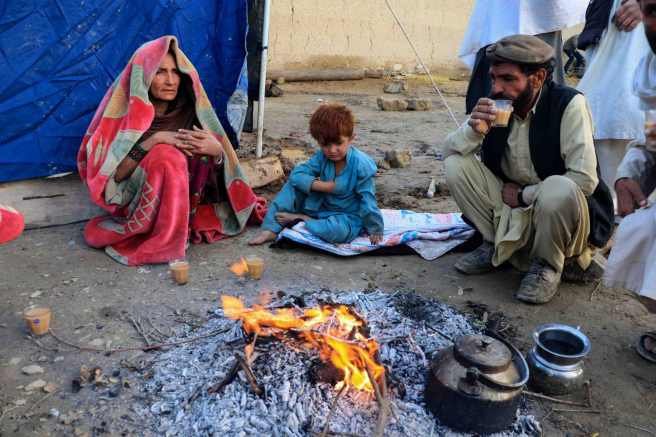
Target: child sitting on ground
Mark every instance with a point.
(333, 192)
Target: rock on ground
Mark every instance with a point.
(391, 104)
(398, 158)
(419, 104)
(395, 87)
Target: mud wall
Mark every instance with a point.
(363, 33)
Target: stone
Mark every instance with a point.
(398, 158)
(397, 67)
(416, 104)
(50, 387)
(261, 171)
(32, 369)
(97, 342)
(395, 87)
(383, 165)
(69, 418)
(280, 80)
(391, 104)
(39, 383)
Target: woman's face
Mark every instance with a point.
(167, 80)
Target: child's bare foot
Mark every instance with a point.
(285, 217)
(264, 237)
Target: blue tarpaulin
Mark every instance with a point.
(59, 57)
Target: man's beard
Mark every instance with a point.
(648, 9)
(523, 99)
(651, 39)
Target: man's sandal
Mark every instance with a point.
(640, 346)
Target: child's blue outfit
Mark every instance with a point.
(342, 215)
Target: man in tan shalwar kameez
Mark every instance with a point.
(536, 196)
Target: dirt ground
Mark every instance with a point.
(93, 297)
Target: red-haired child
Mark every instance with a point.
(334, 192)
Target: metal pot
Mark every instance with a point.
(556, 360)
(476, 384)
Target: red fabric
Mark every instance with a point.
(205, 222)
(157, 230)
(154, 225)
(11, 223)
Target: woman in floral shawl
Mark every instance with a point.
(157, 159)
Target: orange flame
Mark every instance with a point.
(331, 330)
(239, 268)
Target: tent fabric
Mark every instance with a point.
(59, 57)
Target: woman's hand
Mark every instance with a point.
(163, 137)
(198, 142)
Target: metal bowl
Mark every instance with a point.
(556, 361)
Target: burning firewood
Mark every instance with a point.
(383, 402)
(249, 375)
(332, 330)
(232, 373)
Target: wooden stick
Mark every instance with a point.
(43, 399)
(8, 410)
(227, 380)
(331, 433)
(439, 332)
(641, 429)
(560, 401)
(46, 348)
(383, 401)
(332, 410)
(249, 375)
(155, 346)
(595, 289)
(323, 334)
(578, 411)
(164, 336)
(137, 327)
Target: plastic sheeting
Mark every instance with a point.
(59, 57)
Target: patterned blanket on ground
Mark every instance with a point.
(430, 235)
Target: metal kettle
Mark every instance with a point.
(476, 384)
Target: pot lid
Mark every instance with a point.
(486, 353)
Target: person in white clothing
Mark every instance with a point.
(614, 42)
(492, 20)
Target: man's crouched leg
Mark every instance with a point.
(477, 191)
(562, 225)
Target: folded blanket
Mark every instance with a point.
(11, 223)
(430, 235)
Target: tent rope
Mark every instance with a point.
(422, 63)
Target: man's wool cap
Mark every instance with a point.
(520, 49)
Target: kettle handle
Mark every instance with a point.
(517, 358)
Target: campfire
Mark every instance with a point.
(335, 331)
(299, 366)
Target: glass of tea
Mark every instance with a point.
(179, 270)
(255, 265)
(38, 319)
(502, 116)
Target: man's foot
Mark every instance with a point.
(286, 217)
(264, 237)
(540, 283)
(594, 272)
(478, 261)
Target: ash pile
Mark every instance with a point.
(293, 403)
